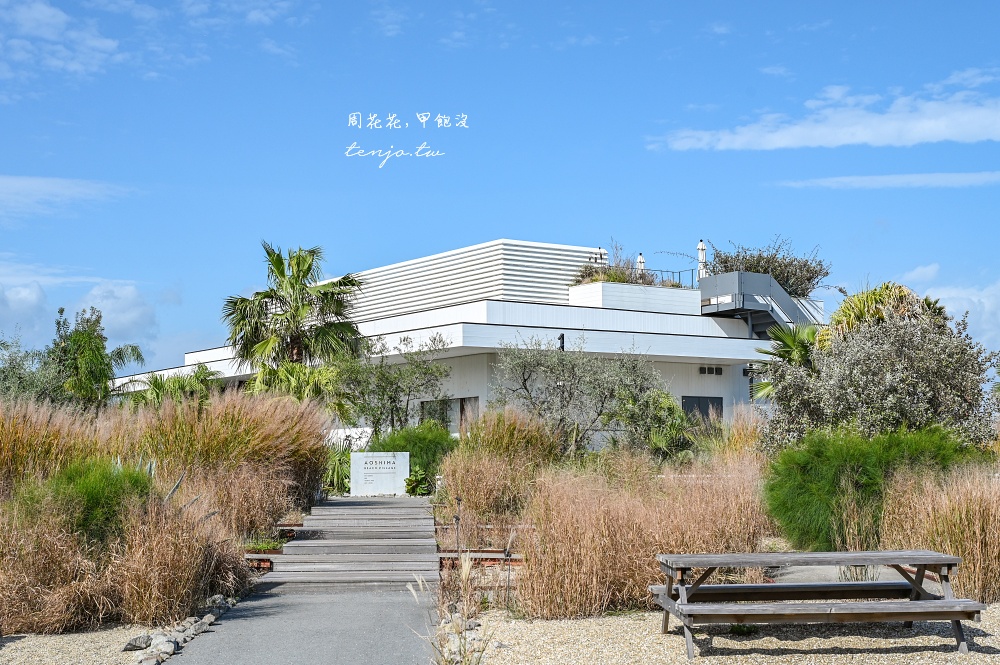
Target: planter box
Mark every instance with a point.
(636, 297)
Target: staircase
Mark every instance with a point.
(359, 541)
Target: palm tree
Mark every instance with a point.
(302, 382)
(198, 384)
(298, 318)
(875, 304)
(790, 345)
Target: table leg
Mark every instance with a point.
(956, 626)
(666, 613)
(915, 595)
(682, 592)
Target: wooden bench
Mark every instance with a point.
(694, 603)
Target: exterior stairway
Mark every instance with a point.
(359, 541)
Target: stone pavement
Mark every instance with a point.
(342, 626)
(338, 593)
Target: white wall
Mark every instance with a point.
(474, 376)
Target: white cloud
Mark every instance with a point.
(720, 28)
(14, 272)
(776, 70)
(128, 316)
(21, 196)
(43, 36)
(812, 27)
(37, 19)
(268, 45)
(24, 310)
(921, 273)
(975, 179)
(836, 118)
(573, 40)
(455, 39)
(983, 305)
(389, 20)
(137, 10)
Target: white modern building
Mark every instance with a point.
(701, 338)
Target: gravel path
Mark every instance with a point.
(99, 647)
(636, 638)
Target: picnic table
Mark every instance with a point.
(694, 602)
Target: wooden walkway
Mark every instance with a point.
(360, 541)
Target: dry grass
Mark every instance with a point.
(229, 431)
(492, 471)
(959, 514)
(738, 437)
(493, 490)
(171, 559)
(36, 439)
(512, 434)
(250, 499)
(244, 463)
(48, 580)
(594, 543)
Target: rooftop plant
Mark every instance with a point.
(798, 275)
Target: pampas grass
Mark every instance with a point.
(241, 461)
(958, 514)
(594, 543)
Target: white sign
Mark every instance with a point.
(379, 474)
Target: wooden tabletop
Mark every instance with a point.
(780, 559)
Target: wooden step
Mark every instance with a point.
(346, 577)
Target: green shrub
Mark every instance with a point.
(93, 494)
(427, 443)
(819, 490)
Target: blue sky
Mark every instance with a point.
(146, 150)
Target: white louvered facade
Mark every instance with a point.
(497, 270)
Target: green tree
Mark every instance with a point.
(798, 275)
(82, 355)
(385, 386)
(298, 318)
(888, 374)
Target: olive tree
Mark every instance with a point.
(889, 374)
(581, 394)
(383, 387)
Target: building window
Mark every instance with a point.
(703, 407)
(436, 409)
(468, 412)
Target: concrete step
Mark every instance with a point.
(370, 507)
(422, 520)
(333, 577)
(374, 566)
(361, 546)
(411, 557)
(360, 532)
(370, 514)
